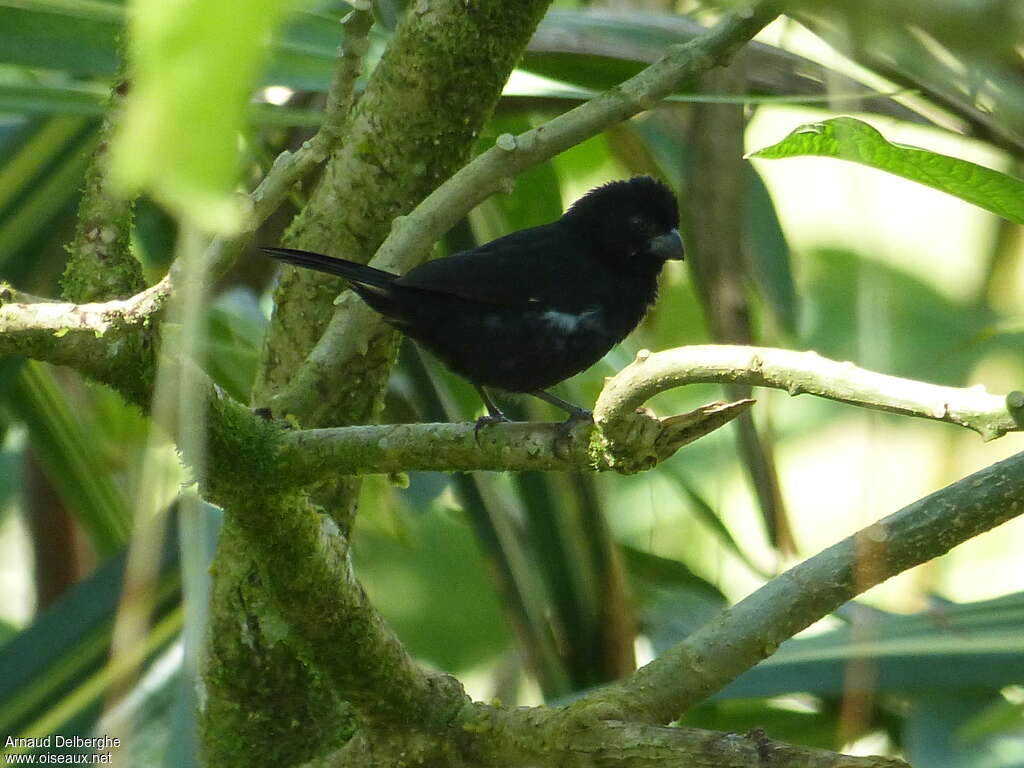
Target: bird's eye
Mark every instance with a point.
(637, 223)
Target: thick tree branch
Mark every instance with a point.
(111, 342)
(311, 454)
(409, 129)
(753, 629)
(354, 325)
(518, 737)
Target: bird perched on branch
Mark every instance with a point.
(533, 308)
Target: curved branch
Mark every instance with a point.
(630, 439)
(800, 373)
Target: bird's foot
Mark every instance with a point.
(487, 421)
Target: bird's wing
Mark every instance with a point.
(526, 267)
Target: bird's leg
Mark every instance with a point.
(576, 415)
(494, 414)
(575, 412)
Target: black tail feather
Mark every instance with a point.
(350, 270)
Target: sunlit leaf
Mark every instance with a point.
(193, 66)
(847, 138)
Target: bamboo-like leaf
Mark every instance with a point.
(982, 642)
(53, 674)
(91, 101)
(70, 458)
(768, 253)
(847, 138)
(38, 181)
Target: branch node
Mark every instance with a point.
(506, 142)
(1015, 405)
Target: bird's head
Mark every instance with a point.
(634, 222)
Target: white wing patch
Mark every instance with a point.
(567, 322)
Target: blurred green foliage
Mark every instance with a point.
(537, 586)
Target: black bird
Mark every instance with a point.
(533, 308)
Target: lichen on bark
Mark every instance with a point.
(414, 125)
(101, 264)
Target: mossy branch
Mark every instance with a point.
(529, 736)
(101, 263)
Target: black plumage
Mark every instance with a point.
(533, 308)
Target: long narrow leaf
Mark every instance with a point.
(70, 458)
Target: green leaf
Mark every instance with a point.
(79, 39)
(194, 65)
(596, 50)
(956, 648)
(53, 674)
(37, 181)
(847, 138)
(91, 101)
(999, 717)
(769, 255)
(672, 600)
(70, 457)
(932, 726)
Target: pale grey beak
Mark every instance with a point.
(667, 247)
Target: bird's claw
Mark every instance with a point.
(487, 421)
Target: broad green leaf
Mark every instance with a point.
(193, 67)
(959, 647)
(931, 728)
(847, 138)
